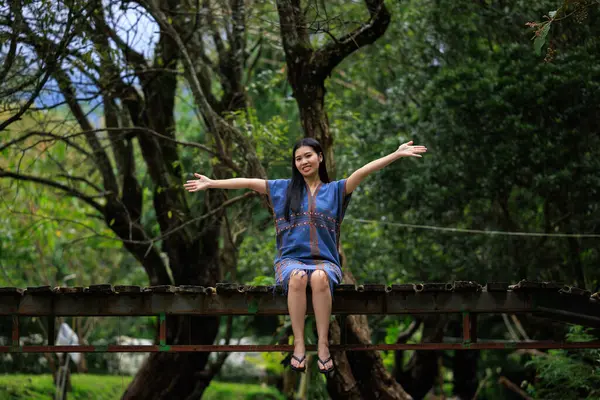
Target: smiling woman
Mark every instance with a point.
(308, 211)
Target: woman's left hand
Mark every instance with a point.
(408, 150)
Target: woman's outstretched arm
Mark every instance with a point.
(203, 183)
(405, 150)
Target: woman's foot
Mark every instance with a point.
(324, 361)
(298, 361)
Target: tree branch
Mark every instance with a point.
(406, 334)
(238, 44)
(124, 131)
(226, 160)
(12, 90)
(113, 76)
(253, 64)
(52, 60)
(516, 389)
(329, 56)
(40, 218)
(134, 58)
(100, 157)
(47, 134)
(215, 32)
(293, 27)
(15, 6)
(81, 179)
(150, 241)
(48, 182)
(123, 228)
(212, 212)
(216, 124)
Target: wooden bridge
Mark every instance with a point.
(468, 299)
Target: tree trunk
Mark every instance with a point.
(310, 95)
(194, 256)
(465, 373)
(464, 366)
(308, 68)
(62, 378)
(360, 374)
(420, 374)
(182, 375)
(176, 375)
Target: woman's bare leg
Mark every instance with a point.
(297, 309)
(321, 299)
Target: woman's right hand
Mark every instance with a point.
(202, 183)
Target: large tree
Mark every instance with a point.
(88, 59)
(137, 99)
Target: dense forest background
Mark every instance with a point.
(109, 106)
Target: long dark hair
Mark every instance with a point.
(295, 191)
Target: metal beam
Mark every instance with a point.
(563, 303)
(245, 303)
(288, 348)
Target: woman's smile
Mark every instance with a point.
(307, 160)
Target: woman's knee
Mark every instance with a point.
(319, 280)
(298, 280)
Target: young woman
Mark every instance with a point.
(308, 213)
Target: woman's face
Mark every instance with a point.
(307, 161)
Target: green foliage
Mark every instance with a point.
(505, 135)
(511, 148)
(272, 362)
(568, 12)
(257, 253)
(568, 374)
(269, 138)
(563, 377)
(540, 38)
(52, 238)
(106, 387)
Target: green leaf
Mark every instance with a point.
(169, 214)
(539, 41)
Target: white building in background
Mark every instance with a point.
(250, 364)
(236, 364)
(127, 363)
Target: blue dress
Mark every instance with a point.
(310, 240)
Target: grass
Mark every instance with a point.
(247, 391)
(38, 387)
(109, 387)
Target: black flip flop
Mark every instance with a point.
(323, 362)
(299, 369)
